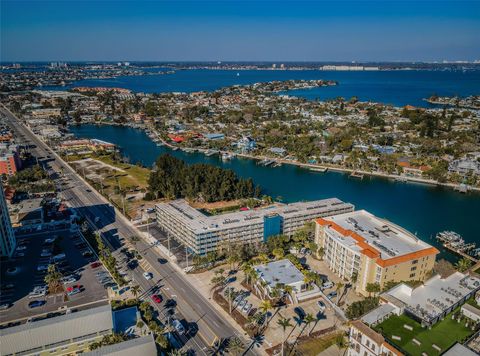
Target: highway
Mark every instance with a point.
(116, 229)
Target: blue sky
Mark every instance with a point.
(240, 30)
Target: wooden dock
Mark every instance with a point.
(461, 253)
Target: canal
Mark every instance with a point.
(422, 209)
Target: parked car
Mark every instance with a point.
(157, 298)
(70, 279)
(300, 312)
(45, 254)
(178, 326)
(21, 248)
(327, 285)
(95, 264)
(58, 257)
(147, 275)
(321, 306)
(36, 303)
(5, 306)
(332, 295)
(42, 268)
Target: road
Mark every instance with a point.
(116, 229)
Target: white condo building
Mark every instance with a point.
(7, 236)
(203, 234)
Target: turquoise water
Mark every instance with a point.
(390, 87)
(422, 209)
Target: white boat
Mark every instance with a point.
(227, 156)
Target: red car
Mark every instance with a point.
(156, 298)
(72, 288)
(95, 264)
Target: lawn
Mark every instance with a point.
(443, 334)
(316, 345)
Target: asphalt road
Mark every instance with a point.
(116, 228)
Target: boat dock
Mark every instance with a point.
(455, 243)
(320, 169)
(266, 162)
(355, 174)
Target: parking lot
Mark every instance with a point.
(26, 273)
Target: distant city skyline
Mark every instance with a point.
(240, 31)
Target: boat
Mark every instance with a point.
(319, 169)
(277, 164)
(238, 74)
(227, 156)
(209, 153)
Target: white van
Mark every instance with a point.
(327, 285)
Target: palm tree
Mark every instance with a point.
(235, 346)
(463, 264)
(53, 278)
(265, 306)
(175, 352)
(135, 290)
(287, 290)
(309, 318)
(247, 270)
(284, 323)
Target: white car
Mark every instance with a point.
(46, 254)
(321, 306)
(147, 275)
(21, 248)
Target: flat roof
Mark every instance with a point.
(138, 346)
(30, 336)
(459, 350)
(279, 272)
(378, 314)
(389, 239)
(436, 295)
(198, 222)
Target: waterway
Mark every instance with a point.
(398, 88)
(421, 209)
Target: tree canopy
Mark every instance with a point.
(173, 178)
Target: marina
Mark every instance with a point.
(456, 244)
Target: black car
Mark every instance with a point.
(132, 264)
(300, 312)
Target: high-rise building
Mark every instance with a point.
(7, 237)
(365, 249)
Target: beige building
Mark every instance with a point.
(372, 249)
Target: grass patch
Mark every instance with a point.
(312, 347)
(135, 176)
(443, 334)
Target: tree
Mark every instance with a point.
(444, 268)
(235, 346)
(284, 323)
(162, 341)
(53, 278)
(309, 318)
(266, 305)
(372, 288)
(357, 309)
(278, 253)
(463, 264)
(135, 290)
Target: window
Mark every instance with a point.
(368, 343)
(412, 275)
(373, 347)
(413, 268)
(414, 262)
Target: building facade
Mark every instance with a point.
(10, 161)
(202, 234)
(66, 334)
(364, 341)
(7, 237)
(368, 250)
